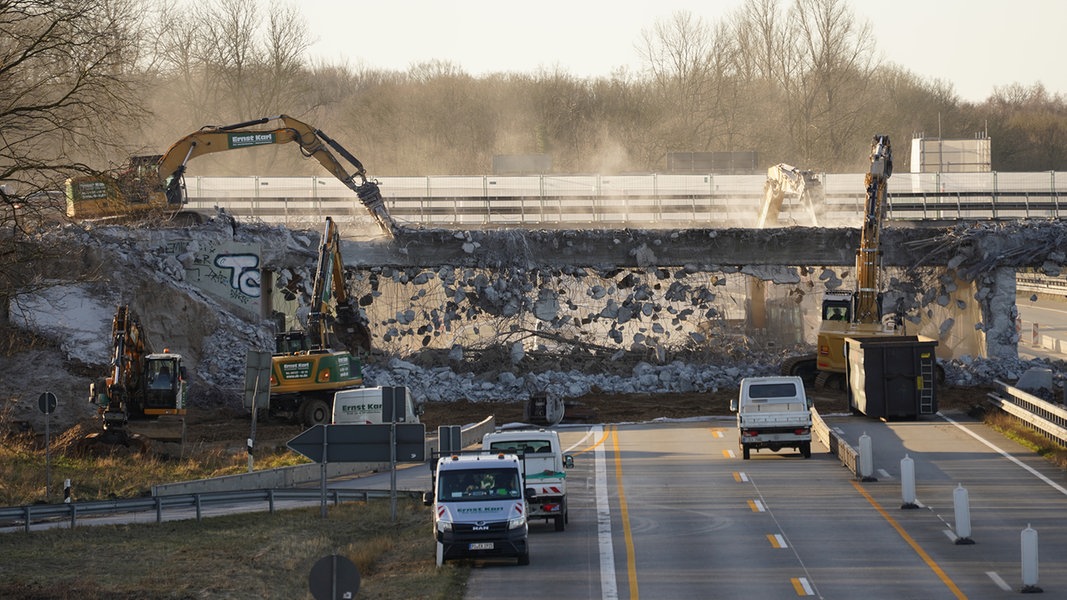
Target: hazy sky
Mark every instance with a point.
(974, 44)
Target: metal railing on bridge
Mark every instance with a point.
(630, 200)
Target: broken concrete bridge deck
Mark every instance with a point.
(962, 247)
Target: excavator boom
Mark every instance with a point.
(868, 255)
(157, 182)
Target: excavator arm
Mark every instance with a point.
(785, 179)
(313, 143)
(869, 252)
(346, 325)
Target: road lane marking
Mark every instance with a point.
(631, 562)
(587, 435)
(728, 453)
(802, 587)
(1018, 462)
(885, 474)
(997, 580)
(608, 587)
(777, 541)
(740, 476)
(756, 506)
(716, 433)
(911, 542)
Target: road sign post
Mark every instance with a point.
(257, 392)
(47, 402)
(353, 442)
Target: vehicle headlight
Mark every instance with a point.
(517, 522)
(443, 526)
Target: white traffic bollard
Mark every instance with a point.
(866, 465)
(961, 505)
(66, 491)
(1029, 555)
(907, 482)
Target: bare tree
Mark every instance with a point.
(829, 66)
(67, 74)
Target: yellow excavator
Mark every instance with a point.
(155, 185)
(859, 313)
(308, 366)
(143, 397)
(783, 180)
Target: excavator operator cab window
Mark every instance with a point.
(161, 379)
(835, 313)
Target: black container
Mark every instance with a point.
(891, 377)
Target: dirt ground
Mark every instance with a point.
(231, 430)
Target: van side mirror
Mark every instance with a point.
(531, 493)
(427, 498)
(568, 461)
(733, 405)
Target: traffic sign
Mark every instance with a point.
(47, 403)
(334, 577)
(257, 379)
(354, 442)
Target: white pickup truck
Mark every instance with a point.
(543, 464)
(773, 413)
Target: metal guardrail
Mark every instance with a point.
(1042, 416)
(37, 513)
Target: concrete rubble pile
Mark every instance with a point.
(643, 329)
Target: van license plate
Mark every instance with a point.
(482, 546)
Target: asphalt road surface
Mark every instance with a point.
(669, 510)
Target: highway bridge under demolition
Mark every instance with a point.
(957, 281)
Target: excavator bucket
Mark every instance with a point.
(350, 330)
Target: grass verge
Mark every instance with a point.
(241, 556)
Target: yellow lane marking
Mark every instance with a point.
(740, 477)
(593, 447)
(800, 585)
(911, 542)
(728, 453)
(756, 505)
(631, 567)
(776, 540)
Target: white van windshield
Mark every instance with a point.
(478, 484)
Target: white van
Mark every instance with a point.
(479, 507)
(367, 405)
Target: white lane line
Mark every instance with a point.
(608, 588)
(1018, 462)
(997, 580)
(581, 442)
(951, 535)
(885, 474)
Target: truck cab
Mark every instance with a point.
(544, 466)
(479, 507)
(773, 413)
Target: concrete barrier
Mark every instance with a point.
(298, 475)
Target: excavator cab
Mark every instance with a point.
(165, 391)
(291, 342)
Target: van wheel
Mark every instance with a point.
(524, 558)
(745, 452)
(315, 412)
(560, 523)
(805, 449)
